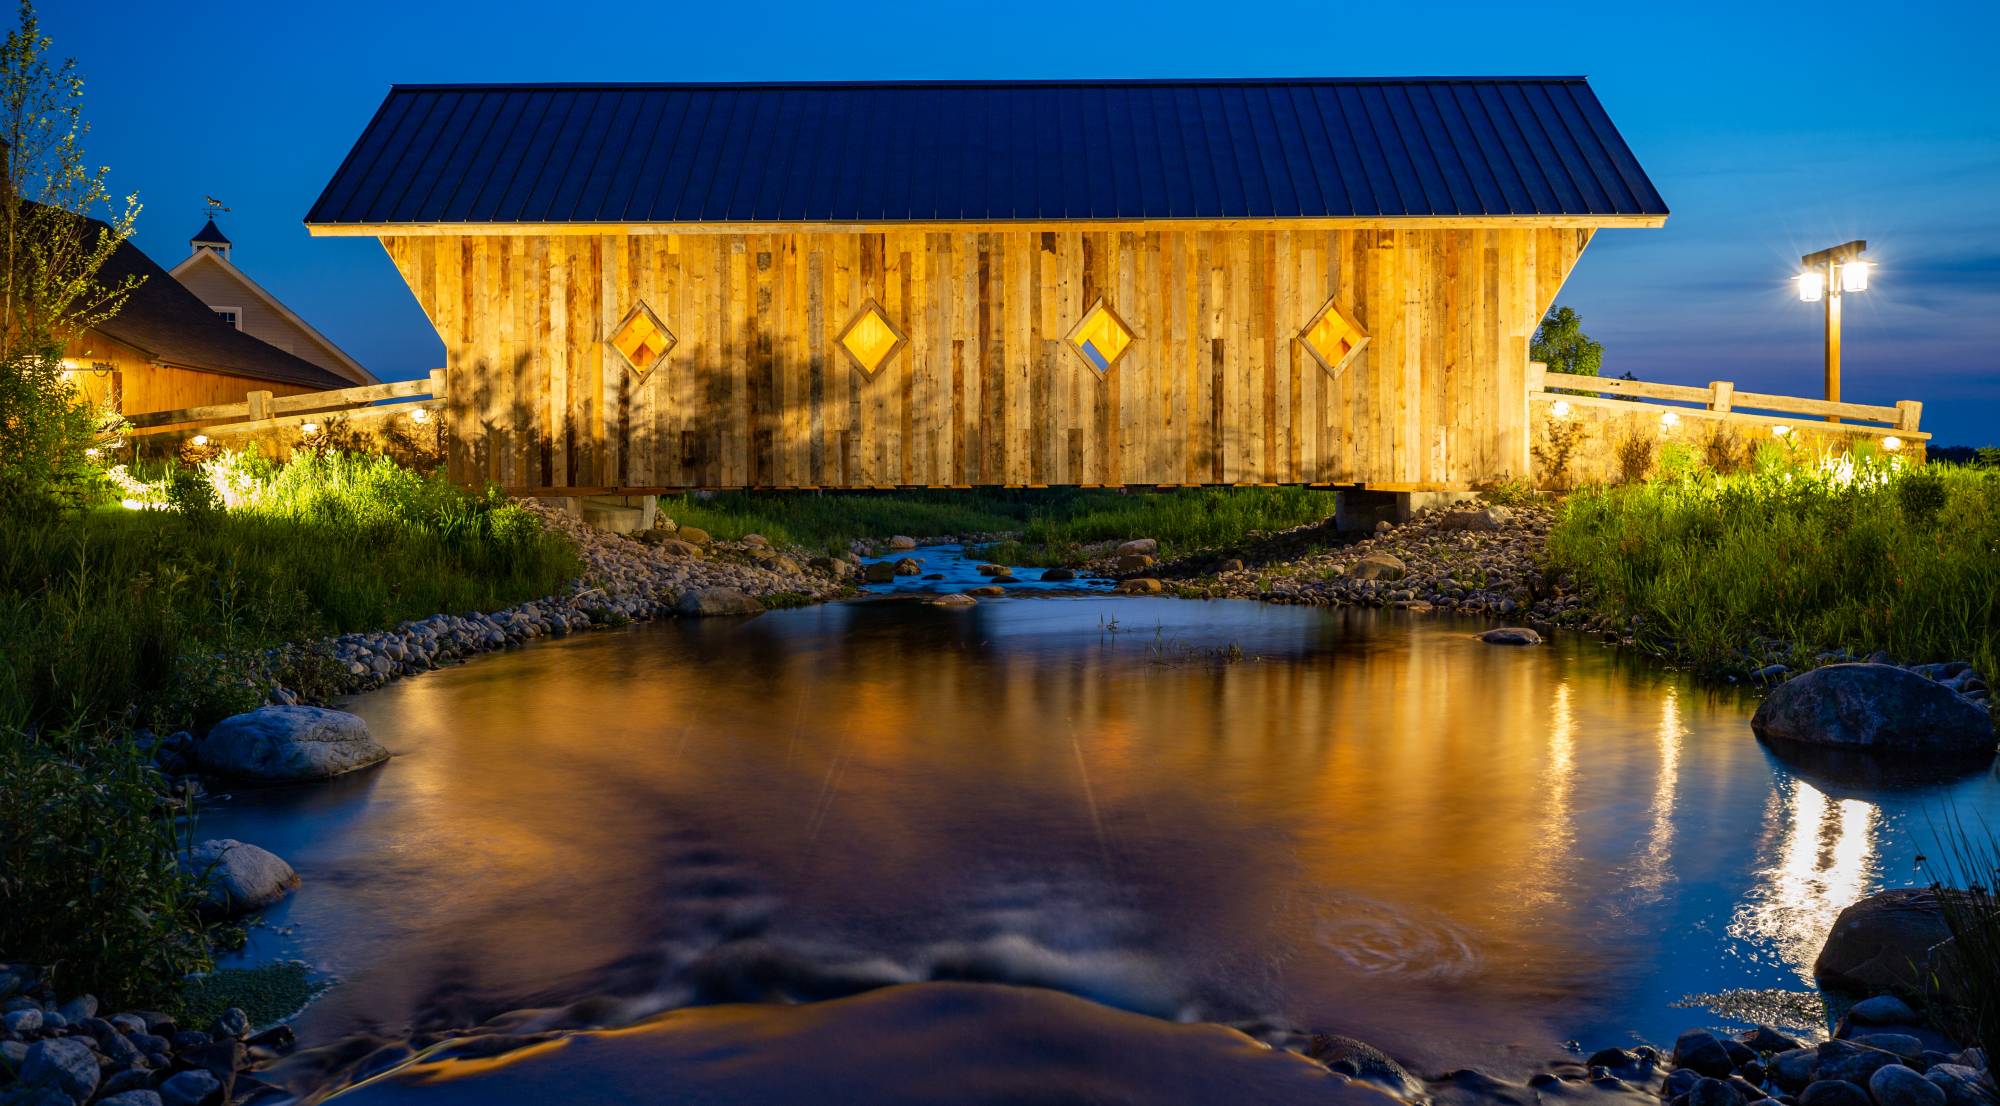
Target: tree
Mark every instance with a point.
(51, 254)
(1561, 344)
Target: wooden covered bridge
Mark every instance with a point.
(665, 286)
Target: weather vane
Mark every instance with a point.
(216, 207)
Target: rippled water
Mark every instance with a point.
(1351, 821)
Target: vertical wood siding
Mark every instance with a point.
(1217, 388)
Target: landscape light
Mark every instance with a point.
(308, 428)
(131, 504)
(1892, 443)
(1854, 276)
(1812, 286)
(1781, 431)
(1560, 408)
(420, 415)
(1670, 419)
(91, 452)
(200, 439)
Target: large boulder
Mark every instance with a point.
(879, 572)
(63, 1064)
(1511, 635)
(1882, 944)
(1144, 585)
(1135, 562)
(237, 877)
(1361, 1060)
(902, 543)
(287, 744)
(1140, 547)
(710, 602)
(693, 534)
(1476, 518)
(1874, 707)
(1378, 566)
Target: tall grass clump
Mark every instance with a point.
(1863, 552)
(1966, 880)
(167, 616)
(88, 868)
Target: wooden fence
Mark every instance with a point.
(262, 412)
(1720, 397)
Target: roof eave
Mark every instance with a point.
(1334, 222)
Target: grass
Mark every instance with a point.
(1183, 521)
(1853, 552)
(828, 522)
(1966, 879)
(153, 615)
(268, 994)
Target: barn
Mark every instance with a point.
(653, 287)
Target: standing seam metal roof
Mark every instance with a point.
(987, 151)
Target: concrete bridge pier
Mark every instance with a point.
(1358, 509)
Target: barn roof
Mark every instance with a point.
(988, 151)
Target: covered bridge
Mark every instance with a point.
(662, 286)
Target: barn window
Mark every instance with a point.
(1101, 338)
(1333, 338)
(642, 340)
(871, 339)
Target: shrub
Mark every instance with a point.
(45, 430)
(88, 867)
(1967, 882)
(1635, 457)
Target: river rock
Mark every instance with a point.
(1144, 585)
(1874, 707)
(1852, 1063)
(26, 1021)
(1792, 1070)
(879, 572)
(1702, 1052)
(902, 543)
(675, 547)
(987, 591)
(1476, 518)
(136, 1097)
(1896, 1085)
(238, 878)
(1368, 1063)
(1708, 1091)
(1057, 575)
(63, 1064)
(956, 599)
(1962, 1084)
(712, 602)
(1882, 1010)
(694, 535)
(1378, 566)
(1511, 635)
(1139, 547)
(191, 1088)
(1135, 562)
(285, 744)
(994, 570)
(1882, 943)
(758, 541)
(1834, 1092)
(909, 566)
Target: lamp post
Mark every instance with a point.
(1827, 275)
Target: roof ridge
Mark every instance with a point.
(988, 83)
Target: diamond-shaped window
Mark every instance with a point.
(1101, 338)
(642, 340)
(871, 339)
(1334, 338)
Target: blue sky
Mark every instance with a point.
(1771, 130)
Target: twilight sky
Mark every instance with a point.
(1772, 130)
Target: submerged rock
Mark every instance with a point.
(238, 878)
(286, 744)
(879, 572)
(1369, 1063)
(1875, 707)
(1144, 585)
(1511, 635)
(1057, 575)
(712, 602)
(958, 599)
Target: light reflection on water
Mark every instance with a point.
(1376, 825)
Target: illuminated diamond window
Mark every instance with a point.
(1101, 338)
(1334, 338)
(871, 339)
(642, 340)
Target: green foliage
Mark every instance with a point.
(827, 522)
(175, 612)
(1966, 880)
(1823, 556)
(267, 994)
(1561, 344)
(45, 429)
(1183, 520)
(1511, 493)
(1677, 461)
(88, 867)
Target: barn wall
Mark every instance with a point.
(136, 385)
(1215, 390)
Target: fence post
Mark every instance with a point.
(1908, 411)
(260, 406)
(437, 383)
(1538, 376)
(1721, 393)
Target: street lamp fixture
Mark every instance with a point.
(1824, 277)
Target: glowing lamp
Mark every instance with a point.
(1812, 286)
(199, 440)
(131, 504)
(420, 415)
(1854, 276)
(91, 452)
(1560, 408)
(1670, 419)
(1781, 431)
(1892, 443)
(308, 428)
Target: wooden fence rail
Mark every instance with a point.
(1721, 396)
(258, 407)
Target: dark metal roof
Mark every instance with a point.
(209, 234)
(987, 151)
(171, 325)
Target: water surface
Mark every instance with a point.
(1357, 821)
